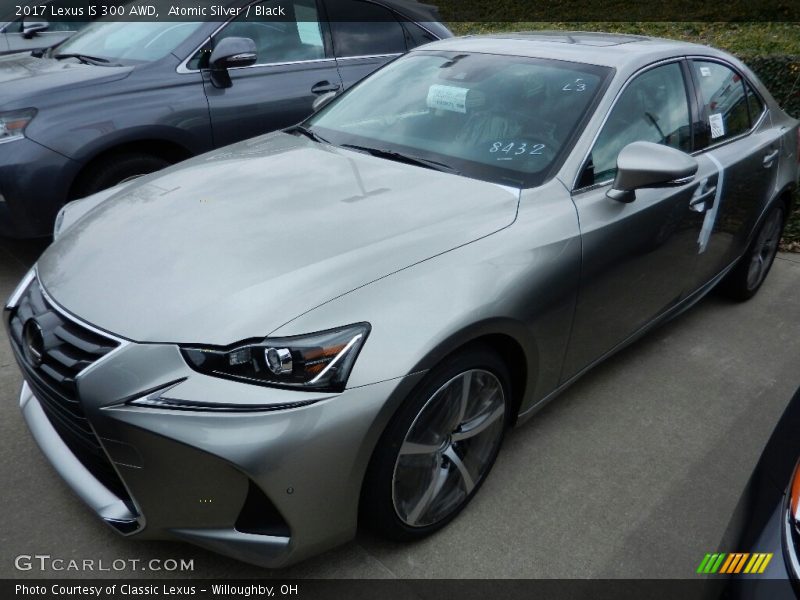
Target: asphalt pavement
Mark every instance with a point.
(633, 472)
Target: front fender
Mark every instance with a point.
(152, 103)
(520, 282)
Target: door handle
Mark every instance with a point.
(768, 158)
(323, 87)
(699, 202)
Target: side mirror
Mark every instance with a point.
(31, 28)
(233, 52)
(645, 164)
(230, 53)
(323, 100)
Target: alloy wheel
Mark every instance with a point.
(449, 448)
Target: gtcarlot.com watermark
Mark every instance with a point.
(46, 562)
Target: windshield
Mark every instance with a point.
(499, 118)
(127, 43)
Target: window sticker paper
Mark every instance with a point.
(717, 125)
(448, 97)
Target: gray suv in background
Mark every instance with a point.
(121, 99)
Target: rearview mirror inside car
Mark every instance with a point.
(645, 164)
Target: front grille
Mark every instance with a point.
(68, 349)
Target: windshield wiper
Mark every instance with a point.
(86, 59)
(405, 158)
(313, 135)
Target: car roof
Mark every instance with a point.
(604, 49)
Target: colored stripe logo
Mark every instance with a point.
(734, 562)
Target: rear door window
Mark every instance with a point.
(295, 37)
(416, 35)
(754, 104)
(725, 104)
(365, 29)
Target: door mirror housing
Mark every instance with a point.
(645, 164)
(32, 28)
(323, 100)
(230, 53)
(233, 52)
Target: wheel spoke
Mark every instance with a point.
(466, 385)
(454, 458)
(773, 238)
(754, 272)
(478, 425)
(437, 419)
(415, 448)
(430, 493)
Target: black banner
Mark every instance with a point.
(391, 589)
(451, 11)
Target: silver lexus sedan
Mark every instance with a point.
(264, 346)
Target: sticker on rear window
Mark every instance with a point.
(448, 97)
(717, 125)
(705, 71)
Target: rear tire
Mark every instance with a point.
(439, 447)
(112, 170)
(746, 278)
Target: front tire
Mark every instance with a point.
(746, 278)
(439, 447)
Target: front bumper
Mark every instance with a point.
(34, 182)
(266, 487)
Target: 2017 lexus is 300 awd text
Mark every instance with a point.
(261, 347)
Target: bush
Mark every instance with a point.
(781, 75)
(791, 235)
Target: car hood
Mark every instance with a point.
(233, 244)
(28, 80)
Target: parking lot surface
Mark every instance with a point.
(632, 472)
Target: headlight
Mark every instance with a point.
(59, 223)
(319, 361)
(16, 295)
(13, 124)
